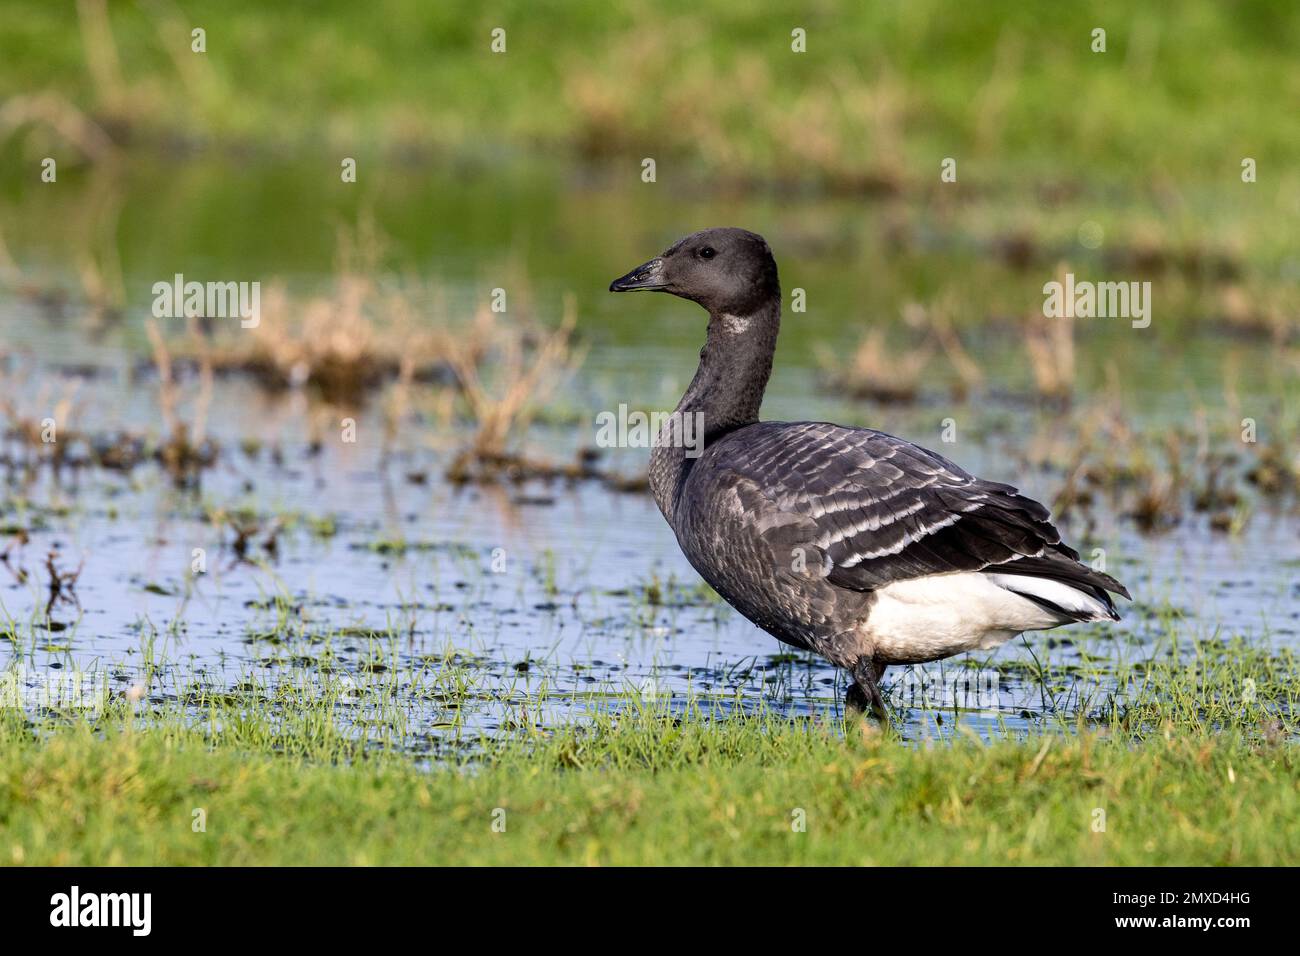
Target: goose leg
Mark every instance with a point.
(863, 694)
(856, 704)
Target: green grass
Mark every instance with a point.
(647, 791)
(1188, 757)
(1197, 765)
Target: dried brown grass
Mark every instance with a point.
(502, 397)
(1049, 345)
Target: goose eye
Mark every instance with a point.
(707, 252)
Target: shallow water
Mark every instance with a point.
(554, 597)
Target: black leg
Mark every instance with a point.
(856, 703)
(863, 694)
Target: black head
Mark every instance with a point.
(725, 270)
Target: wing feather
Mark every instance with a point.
(886, 510)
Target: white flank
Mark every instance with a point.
(939, 615)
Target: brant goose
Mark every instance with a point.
(848, 542)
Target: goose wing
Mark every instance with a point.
(880, 509)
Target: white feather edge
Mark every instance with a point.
(1062, 595)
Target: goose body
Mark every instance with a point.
(862, 547)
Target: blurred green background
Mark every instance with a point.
(1184, 89)
(476, 164)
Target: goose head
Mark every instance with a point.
(726, 270)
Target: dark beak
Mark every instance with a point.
(646, 277)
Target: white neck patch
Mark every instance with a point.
(735, 324)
